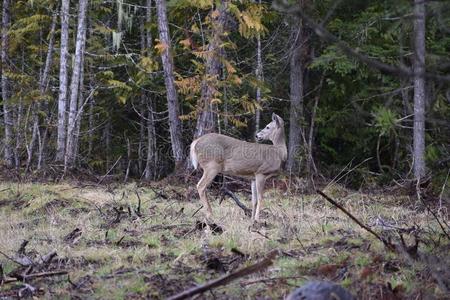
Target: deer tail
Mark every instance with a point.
(194, 159)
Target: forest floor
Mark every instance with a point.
(112, 249)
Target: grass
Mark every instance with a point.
(161, 252)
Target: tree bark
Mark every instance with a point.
(296, 95)
(419, 89)
(172, 96)
(63, 80)
(43, 84)
(79, 117)
(207, 118)
(259, 77)
(150, 164)
(7, 113)
(75, 85)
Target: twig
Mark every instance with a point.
(384, 241)
(247, 211)
(47, 259)
(264, 280)
(195, 212)
(22, 247)
(259, 266)
(107, 173)
(12, 259)
(36, 275)
(138, 209)
(434, 215)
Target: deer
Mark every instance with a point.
(221, 154)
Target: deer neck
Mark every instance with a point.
(279, 141)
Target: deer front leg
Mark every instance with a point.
(254, 199)
(260, 181)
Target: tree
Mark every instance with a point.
(419, 90)
(172, 95)
(7, 113)
(207, 118)
(147, 42)
(74, 113)
(43, 87)
(296, 97)
(63, 80)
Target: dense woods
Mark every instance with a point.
(124, 86)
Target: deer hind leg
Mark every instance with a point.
(260, 181)
(254, 198)
(209, 172)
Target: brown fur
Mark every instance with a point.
(217, 153)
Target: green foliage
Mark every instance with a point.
(385, 120)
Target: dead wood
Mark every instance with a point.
(22, 247)
(247, 211)
(35, 275)
(2, 276)
(17, 261)
(195, 212)
(368, 229)
(47, 259)
(137, 211)
(435, 217)
(259, 266)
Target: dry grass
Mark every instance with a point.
(161, 253)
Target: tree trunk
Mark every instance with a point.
(91, 126)
(151, 144)
(419, 90)
(75, 85)
(7, 113)
(172, 96)
(62, 96)
(108, 143)
(207, 118)
(296, 95)
(79, 117)
(259, 77)
(43, 84)
(18, 120)
(141, 148)
(150, 164)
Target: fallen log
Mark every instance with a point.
(259, 266)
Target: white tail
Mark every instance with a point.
(193, 155)
(217, 153)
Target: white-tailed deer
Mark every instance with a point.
(217, 153)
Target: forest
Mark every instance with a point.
(100, 196)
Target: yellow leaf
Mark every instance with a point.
(161, 47)
(229, 67)
(186, 43)
(215, 14)
(216, 101)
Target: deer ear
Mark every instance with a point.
(276, 118)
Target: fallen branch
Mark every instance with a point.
(247, 211)
(259, 266)
(22, 247)
(109, 171)
(12, 259)
(35, 275)
(137, 211)
(434, 215)
(383, 240)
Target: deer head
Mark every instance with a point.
(273, 131)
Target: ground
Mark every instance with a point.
(112, 249)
